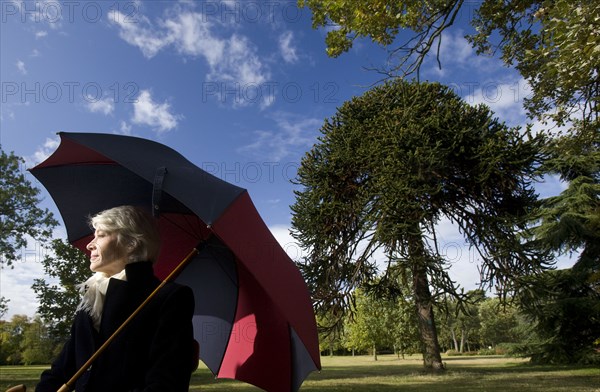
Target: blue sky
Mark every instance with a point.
(240, 88)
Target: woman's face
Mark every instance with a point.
(106, 256)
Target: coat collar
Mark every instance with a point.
(140, 273)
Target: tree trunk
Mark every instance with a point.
(432, 358)
(431, 349)
(454, 340)
(462, 341)
(374, 353)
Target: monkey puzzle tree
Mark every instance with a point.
(553, 44)
(387, 168)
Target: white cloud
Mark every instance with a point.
(288, 51)
(292, 133)
(191, 34)
(125, 128)
(457, 48)
(45, 11)
(105, 106)
(156, 115)
(6, 113)
(331, 27)
(41, 34)
(230, 60)
(240, 63)
(287, 242)
(21, 67)
(140, 34)
(43, 151)
(505, 99)
(16, 283)
(455, 52)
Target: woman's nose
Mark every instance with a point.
(91, 245)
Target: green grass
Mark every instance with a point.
(362, 373)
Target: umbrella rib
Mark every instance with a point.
(188, 228)
(192, 229)
(209, 248)
(194, 226)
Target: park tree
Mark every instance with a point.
(372, 324)
(553, 44)
(11, 337)
(20, 215)
(564, 308)
(37, 346)
(388, 167)
(404, 328)
(3, 306)
(499, 323)
(565, 305)
(65, 267)
(570, 221)
(330, 340)
(459, 319)
(25, 340)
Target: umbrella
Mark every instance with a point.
(254, 319)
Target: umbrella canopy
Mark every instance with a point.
(253, 318)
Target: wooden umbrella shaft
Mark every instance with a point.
(17, 388)
(69, 384)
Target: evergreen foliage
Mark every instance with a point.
(388, 167)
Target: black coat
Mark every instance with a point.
(154, 353)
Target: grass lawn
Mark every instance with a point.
(362, 373)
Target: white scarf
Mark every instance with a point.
(94, 291)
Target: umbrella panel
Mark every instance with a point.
(212, 276)
(207, 195)
(99, 187)
(302, 362)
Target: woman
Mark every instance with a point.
(155, 351)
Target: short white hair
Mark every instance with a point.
(135, 228)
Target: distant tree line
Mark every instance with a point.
(37, 340)
(482, 325)
(27, 341)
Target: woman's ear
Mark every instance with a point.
(132, 245)
(133, 251)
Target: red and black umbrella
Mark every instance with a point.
(254, 319)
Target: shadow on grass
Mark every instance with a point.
(412, 377)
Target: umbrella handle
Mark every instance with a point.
(17, 388)
(68, 386)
